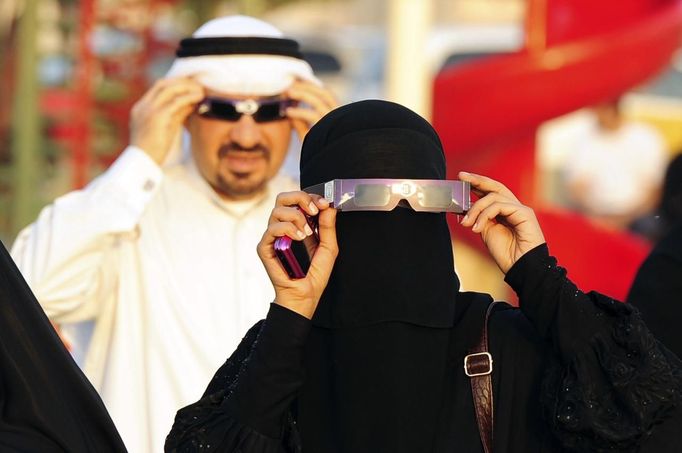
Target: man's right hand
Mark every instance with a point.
(157, 117)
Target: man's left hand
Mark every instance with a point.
(508, 228)
(319, 101)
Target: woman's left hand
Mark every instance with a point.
(508, 228)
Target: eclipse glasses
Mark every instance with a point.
(262, 111)
(422, 195)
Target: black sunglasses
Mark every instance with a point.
(262, 111)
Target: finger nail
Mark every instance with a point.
(308, 231)
(465, 173)
(324, 201)
(300, 234)
(475, 227)
(465, 218)
(313, 208)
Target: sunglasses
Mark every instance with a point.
(262, 111)
(422, 195)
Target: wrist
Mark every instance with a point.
(153, 152)
(531, 267)
(304, 307)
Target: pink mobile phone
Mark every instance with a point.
(295, 256)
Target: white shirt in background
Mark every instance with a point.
(620, 169)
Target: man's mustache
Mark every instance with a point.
(234, 147)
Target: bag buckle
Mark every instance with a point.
(482, 361)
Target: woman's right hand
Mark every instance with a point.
(300, 295)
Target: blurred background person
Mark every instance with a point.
(615, 171)
(159, 250)
(657, 288)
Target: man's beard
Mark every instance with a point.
(233, 190)
(238, 185)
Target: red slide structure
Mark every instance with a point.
(577, 53)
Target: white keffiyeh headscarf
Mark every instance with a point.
(250, 64)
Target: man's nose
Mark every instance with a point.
(246, 132)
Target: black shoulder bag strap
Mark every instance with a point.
(478, 365)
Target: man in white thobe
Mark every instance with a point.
(160, 257)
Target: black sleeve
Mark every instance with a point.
(246, 406)
(656, 291)
(613, 381)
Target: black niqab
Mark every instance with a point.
(377, 355)
(46, 403)
(395, 266)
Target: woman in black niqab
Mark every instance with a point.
(365, 353)
(46, 403)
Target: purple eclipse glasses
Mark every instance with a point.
(262, 111)
(422, 195)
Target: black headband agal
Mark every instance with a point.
(195, 47)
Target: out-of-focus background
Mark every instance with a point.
(508, 84)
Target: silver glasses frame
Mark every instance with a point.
(341, 194)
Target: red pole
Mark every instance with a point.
(536, 26)
(82, 148)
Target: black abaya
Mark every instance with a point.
(573, 372)
(46, 403)
(657, 290)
